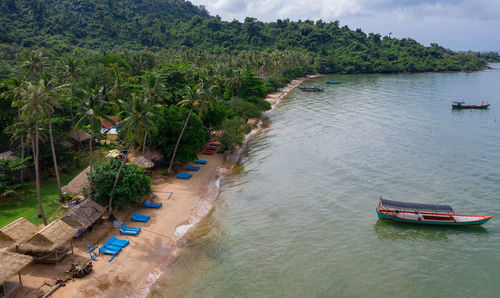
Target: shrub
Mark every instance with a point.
(170, 122)
(233, 133)
(243, 108)
(132, 184)
(8, 182)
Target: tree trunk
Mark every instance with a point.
(111, 216)
(22, 147)
(144, 143)
(178, 141)
(71, 105)
(56, 168)
(72, 118)
(37, 173)
(90, 158)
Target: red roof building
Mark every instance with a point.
(108, 125)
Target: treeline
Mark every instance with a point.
(60, 26)
(172, 103)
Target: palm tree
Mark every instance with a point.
(235, 82)
(198, 97)
(34, 64)
(71, 69)
(50, 90)
(92, 111)
(138, 119)
(154, 91)
(32, 106)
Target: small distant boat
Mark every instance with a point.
(311, 89)
(462, 105)
(332, 82)
(426, 214)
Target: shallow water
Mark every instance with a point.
(296, 217)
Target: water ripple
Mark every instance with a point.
(298, 215)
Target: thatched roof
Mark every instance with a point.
(78, 134)
(17, 232)
(141, 161)
(83, 215)
(80, 181)
(152, 154)
(11, 264)
(7, 154)
(66, 144)
(55, 235)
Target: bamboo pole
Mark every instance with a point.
(71, 241)
(20, 281)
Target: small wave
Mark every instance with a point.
(200, 210)
(143, 289)
(181, 231)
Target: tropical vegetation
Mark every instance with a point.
(171, 73)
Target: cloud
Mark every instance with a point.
(459, 24)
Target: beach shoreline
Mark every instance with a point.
(161, 239)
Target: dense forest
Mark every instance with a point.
(171, 73)
(60, 26)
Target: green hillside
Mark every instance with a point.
(60, 26)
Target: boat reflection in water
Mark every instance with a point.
(391, 230)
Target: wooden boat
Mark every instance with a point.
(332, 82)
(429, 214)
(310, 89)
(462, 105)
(208, 152)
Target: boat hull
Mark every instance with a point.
(311, 89)
(470, 106)
(482, 219)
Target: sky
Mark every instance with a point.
(454, 24)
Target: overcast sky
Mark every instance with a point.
(455, 24)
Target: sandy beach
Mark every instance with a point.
(138, 266)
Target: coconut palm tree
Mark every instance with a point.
(50, 97)
(235, 81)
(154, 90)
(71, 69)
(33, 106)
(138, 119)
(92, 111)
(199, 98)
(34, 65)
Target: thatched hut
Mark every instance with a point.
(7, 154)
(152, 154)
(141, 161)
(83, 215)
(16, 233)
(50, 244)
(78, 137)
(11, 264)
(76, 185)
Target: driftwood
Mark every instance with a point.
(59, 283)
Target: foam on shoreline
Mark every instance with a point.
(138, 268)
(203, 207)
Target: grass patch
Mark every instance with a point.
(25, 204)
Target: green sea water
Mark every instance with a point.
(296, 216)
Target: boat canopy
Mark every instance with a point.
(416, 206)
